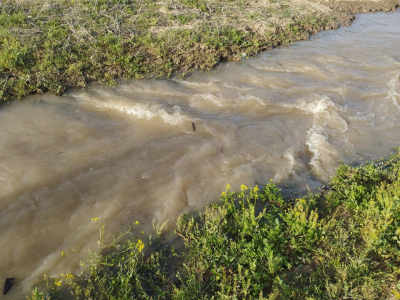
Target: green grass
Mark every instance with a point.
(52, 45)
(343, 243)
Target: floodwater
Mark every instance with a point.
(152, 149)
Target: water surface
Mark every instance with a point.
(131, 153)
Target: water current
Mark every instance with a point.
(153, 149)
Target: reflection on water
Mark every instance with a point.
(132, 153)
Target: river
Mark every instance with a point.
(153, 149)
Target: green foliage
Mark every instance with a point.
(254, 244)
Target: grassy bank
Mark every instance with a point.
(342, 243)
(52, 45)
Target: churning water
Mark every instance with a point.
(152, 149)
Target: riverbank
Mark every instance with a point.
(340, 243)
(50, 46)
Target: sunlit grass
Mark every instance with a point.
(52, 45)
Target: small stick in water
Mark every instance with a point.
(7, 285)
(194, 127)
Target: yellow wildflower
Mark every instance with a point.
(140, 245)
(58, 283)
(136, 222)
(69, 276)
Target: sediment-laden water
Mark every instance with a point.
(152, 149)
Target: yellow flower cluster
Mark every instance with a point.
(140, 245)
(69, 276)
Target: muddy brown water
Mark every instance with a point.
(131, 153)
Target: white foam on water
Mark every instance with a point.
(239, 87)
(392, 93)
(391, 60)
(248, 102)
(290, 164)
(285, 69)
(323, 152)
(327, 124)
(145, 111)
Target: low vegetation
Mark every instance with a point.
(52, 45)
(342, 243)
